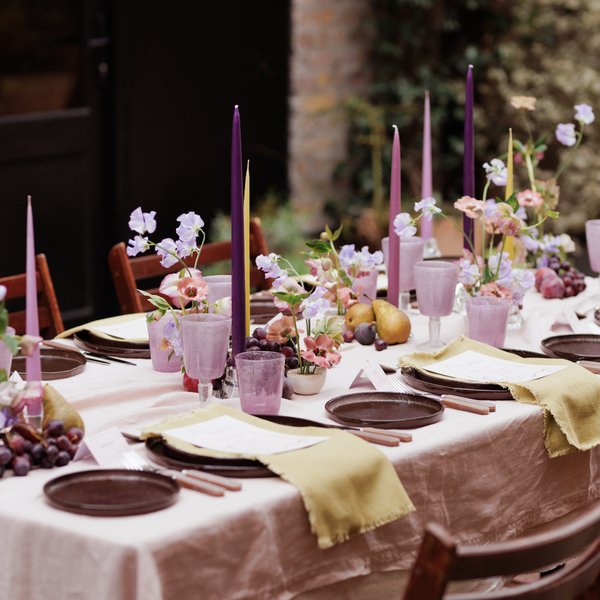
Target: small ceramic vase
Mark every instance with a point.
(309, 383)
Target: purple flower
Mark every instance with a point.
(348, 256)
(272, 270)
(491, 207)
(315, 305)
(167, 250)
(565, 134)
(496, 171)
(584, 114)
(427, 205)
(367, 260)
(404, 225)
(190, 227)
(186, 247)
(137, 244)
(469, 272)
(171, 334)
(530, 244)
(142, 222)
(505, 274)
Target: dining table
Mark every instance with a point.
(485, 478)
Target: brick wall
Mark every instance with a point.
(326, 66)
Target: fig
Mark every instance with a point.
(365, 333)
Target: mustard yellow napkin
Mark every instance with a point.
(347, 485)
(570, 398)
(101, 323)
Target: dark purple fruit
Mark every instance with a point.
(63, 443)
(380, 345)
(6, 455)
(292, 362)
(17, 442)
(287, 351)
(348, 336)
(63, 458)
(287, 391)
(260, 334)
(264, 345)
(52, 453)
(75, 435)
(365, 333)
(55, 428)
(21, 465)
(37, 452)
(274, 346)
(253, 349)
(251, 341)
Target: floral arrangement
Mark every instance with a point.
(323, 338)
(542, 196)
(184, 287)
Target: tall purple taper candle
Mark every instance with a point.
(238, 272)
(33, 363)
(393, 270)
(469, 157)
(426, 177)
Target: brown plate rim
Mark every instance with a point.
(19, 363)
(111, 510)
(121, 348)
(549, 346)
(404, 423)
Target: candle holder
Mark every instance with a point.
(431, 250)
(229, 388)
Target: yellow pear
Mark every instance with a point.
(357, 314)
(56, 407)
(393, 326)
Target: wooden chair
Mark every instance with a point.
(50, 321)
(441, 560)
(129, 273)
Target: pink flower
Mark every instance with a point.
(493, 289)
(321, 351)
(505, 219)
(33, 392)
(348, 296)
(470, 205)
(168, 286)
(289, 286)
(192, 288)
(322, 269)
(530, 198)
(29, 343)
(282, 330)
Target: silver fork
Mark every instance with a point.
(134, 462)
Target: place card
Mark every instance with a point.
(375, 374)
(137, 329)
(105, 446)
(473, 366)
(228, 434)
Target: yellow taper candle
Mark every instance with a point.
(247, 244)
(508, 244)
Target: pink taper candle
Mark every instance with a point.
(238, 271)
(426, 177)
(393, 270)
(33, 363)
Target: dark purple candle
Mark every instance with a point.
(238, 271)
(469, 157)
(393, 270)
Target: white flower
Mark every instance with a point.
(2, 292)
(566, 243)
(584, 114)
(404, 225)
(427, 205)
(142, 222)
(496, 171)
(565, 134)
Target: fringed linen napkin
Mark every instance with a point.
(347, 485)
(118, 320)
(569, 398)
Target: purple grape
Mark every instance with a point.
(274, 346)
(63, 443)
(287, 351)
(229, 361)
(253, 349)
(251, 341)
(75, 435)
(63, 458)
(52, 453)
(292, 362)
(260, 334)
(21, 465)
(37, 452)
(55, 428)
(348, 336)
(17, 441)
(380, 345)
(263, 345)
(6, 455)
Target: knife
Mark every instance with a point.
(96, 355)
(100, 361)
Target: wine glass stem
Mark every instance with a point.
(434, 329)
(205, 388)
(404, 301)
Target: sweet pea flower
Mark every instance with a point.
(496, 171)
(524, 102)
(2, 292)
(186, 247)
(427, 205)
(190, 227)
(173, 337)
(532, 245)
(282, 330)
(322, 269)
(315, 306)
(348, 296)
(523, 280)
(469, 273)
(566, 243)
(493, 289)
(33, 392)
(269, 264)
(192, 288)
(167, 250)
(505, 220)
(168, 285)
(223, 307)
(347, 256)
(367, 260)
(142, 222)
(137, 244)
(404, 225)
(321, 351)
(565, 134)
(530, 198)
(471, 207)
(505, 272)
(584, 114)
(29, 343)
(289, 286)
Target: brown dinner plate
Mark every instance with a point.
(111, 492)
(577, 346)
(56, 364)
(434, 384)
(88, 340)
(384, 410)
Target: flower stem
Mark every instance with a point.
(579, 135)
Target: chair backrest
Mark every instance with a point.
(441, 560)
(50, 321)
(129, 273)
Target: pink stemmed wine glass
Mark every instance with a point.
(205, 340)
(435, 282)
(592, 236)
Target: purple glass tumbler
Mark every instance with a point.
(435, 283)
(205, 340)
(487, 318)
(260, 379)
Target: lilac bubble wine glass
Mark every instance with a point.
(592, 237)
(435, 283)
(205, 340)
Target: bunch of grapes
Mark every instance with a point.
(258, 342)
(559, 279)
(24, 447)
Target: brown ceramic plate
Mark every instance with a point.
(111, 492)
(384, 409)
(88, 340)
(435, 384)
(168, 456)
(56, 364)
(262, 310)
(577, 346)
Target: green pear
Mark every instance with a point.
(56, 407)
(393, 326)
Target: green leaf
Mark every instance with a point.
(553, 214)
(157, 301)
(541, 148)
(488, 275)
(3, 376)
(319, 246)
(517, 144)
(511, 201)
(345, 279)
(337, 232)
(541, 141)
(328, 232)
(291, 299)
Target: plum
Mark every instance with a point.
(541, 275)
(553, 287)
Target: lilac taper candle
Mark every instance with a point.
(393, 270)
(238, 271)
(426, 177)
(469, 157)
(33, 363)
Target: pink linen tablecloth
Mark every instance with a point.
(485, 478)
